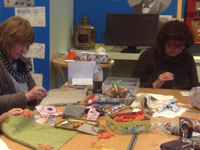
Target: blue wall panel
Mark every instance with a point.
(96, 11)
(41, 66)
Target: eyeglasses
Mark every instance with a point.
(173, 46)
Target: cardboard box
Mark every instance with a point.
(128, 127)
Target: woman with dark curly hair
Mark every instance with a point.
(168, 65)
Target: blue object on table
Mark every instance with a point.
(173, 107)
(105, 103)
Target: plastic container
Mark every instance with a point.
(131, 83)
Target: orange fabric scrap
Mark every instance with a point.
(125, 117)
(105, 135)
(26, 113)
(97, 145)
(45, 147)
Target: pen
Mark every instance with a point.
(104, 103)
(193, 111)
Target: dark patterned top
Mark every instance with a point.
(151, 64)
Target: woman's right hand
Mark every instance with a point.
(35, 93)
(15, 112)
(162, 78)
(12, 112)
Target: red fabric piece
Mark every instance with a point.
(105, 135)
(46, 147)
(91, 99)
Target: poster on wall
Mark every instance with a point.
(36, 50)
(19, 3)
(35, 15)
(149, 6)
(38, 78)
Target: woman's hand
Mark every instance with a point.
(15, 112)
(12, 112)
(36, 92)
(162, 78)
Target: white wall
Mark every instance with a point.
(61, 31)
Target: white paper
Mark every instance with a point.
(36, 50)
(38, 78)
(83, 81)
(30, 64)
(136, 110)
(19, 3)
(35, 15)
(185, 93)
(167, 113)
(80, 69)
(3, 145)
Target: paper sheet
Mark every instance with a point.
(36, 50)
(38, 78)
(185, 93)
(63, 96)
(84, 81)
(19, 3)
(3, 145)
(35, 15)
(167, 113)
(80, 69)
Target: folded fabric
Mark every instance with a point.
(26, 131)
(154, 102)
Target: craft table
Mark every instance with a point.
(59, 62)
(150, 141)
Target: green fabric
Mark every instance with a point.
(26, 131)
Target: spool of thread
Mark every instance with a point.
(172, 128)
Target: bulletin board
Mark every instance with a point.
(41, 66)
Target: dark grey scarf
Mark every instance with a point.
(20, 74)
